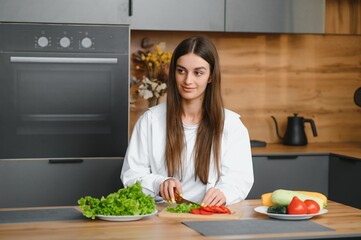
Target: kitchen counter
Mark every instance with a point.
(344, 220)
(352, 150)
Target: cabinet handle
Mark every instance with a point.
(348, 159)
(60, 161)
(130, 8)
(21, 59)
(275, 157)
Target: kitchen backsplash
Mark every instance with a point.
(281, 74)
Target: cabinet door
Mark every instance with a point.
(186, 15)
(275, 16)
(291, 172)
(344, 180)
(66, 11)
(32, 183)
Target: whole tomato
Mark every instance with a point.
(297, 206)
(312, 206)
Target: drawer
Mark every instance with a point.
(292, 172)
(43, 182)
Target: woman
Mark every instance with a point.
(191, 146)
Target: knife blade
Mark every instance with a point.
(187, 201)
(179, 199)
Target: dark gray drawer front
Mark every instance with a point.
(28, 183)
(292, 172)
(345, 179)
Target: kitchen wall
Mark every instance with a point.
(281, 74)
(343, 16)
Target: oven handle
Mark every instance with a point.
(62, 60)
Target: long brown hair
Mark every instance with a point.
(210, 128)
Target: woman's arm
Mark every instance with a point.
(236, 163)
(138, 162)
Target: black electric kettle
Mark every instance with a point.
(295, 132)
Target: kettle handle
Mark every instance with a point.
(313, 126)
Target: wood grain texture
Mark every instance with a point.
(351, 150)
(279, 74)
(343, 17)
(343, 219)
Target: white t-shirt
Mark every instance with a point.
(145, 158)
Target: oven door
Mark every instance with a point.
(63, 105)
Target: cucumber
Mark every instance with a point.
(284, 197)
(277, 209)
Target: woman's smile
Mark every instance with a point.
(188, 89)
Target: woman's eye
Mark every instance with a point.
(180, 71)
(198, 73)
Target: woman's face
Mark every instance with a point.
(192, 76)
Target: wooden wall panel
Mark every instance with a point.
(279, 74)
(343, 16)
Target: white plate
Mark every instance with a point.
(125, 218)
(263, 210)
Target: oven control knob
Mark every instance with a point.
(86, 42)
(64, 42)
(43, 42)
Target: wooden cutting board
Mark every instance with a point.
(233, 216)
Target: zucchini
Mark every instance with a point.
(267, 201)
(284, 197)
(278, 209)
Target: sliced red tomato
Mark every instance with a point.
(219, 209)
(216, 209)
(203, 212)
(206, 208)
(225, 209)
(195, 211)
(312, 206)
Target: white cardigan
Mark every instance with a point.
(144, 160)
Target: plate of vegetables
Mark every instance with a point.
(125, 218)
(286, 216)
(127, 204)
(293, 205)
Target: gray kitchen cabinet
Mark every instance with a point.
(33, 183)
(275, 16)
(66, 11)
(268, 16)
(291, 172)
(344, 180)
(186, 15)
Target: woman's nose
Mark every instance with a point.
(188, 78)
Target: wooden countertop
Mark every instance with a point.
(352, 150)
(343, 219)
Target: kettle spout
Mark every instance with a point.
(277, 132)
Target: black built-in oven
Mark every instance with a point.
(63, 90)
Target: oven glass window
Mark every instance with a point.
(64, 110)
(79, 101)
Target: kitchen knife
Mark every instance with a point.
(179, 199)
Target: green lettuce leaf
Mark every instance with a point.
(125, 202)
(182, 208)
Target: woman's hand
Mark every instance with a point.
(168, 189)
(214, 197)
